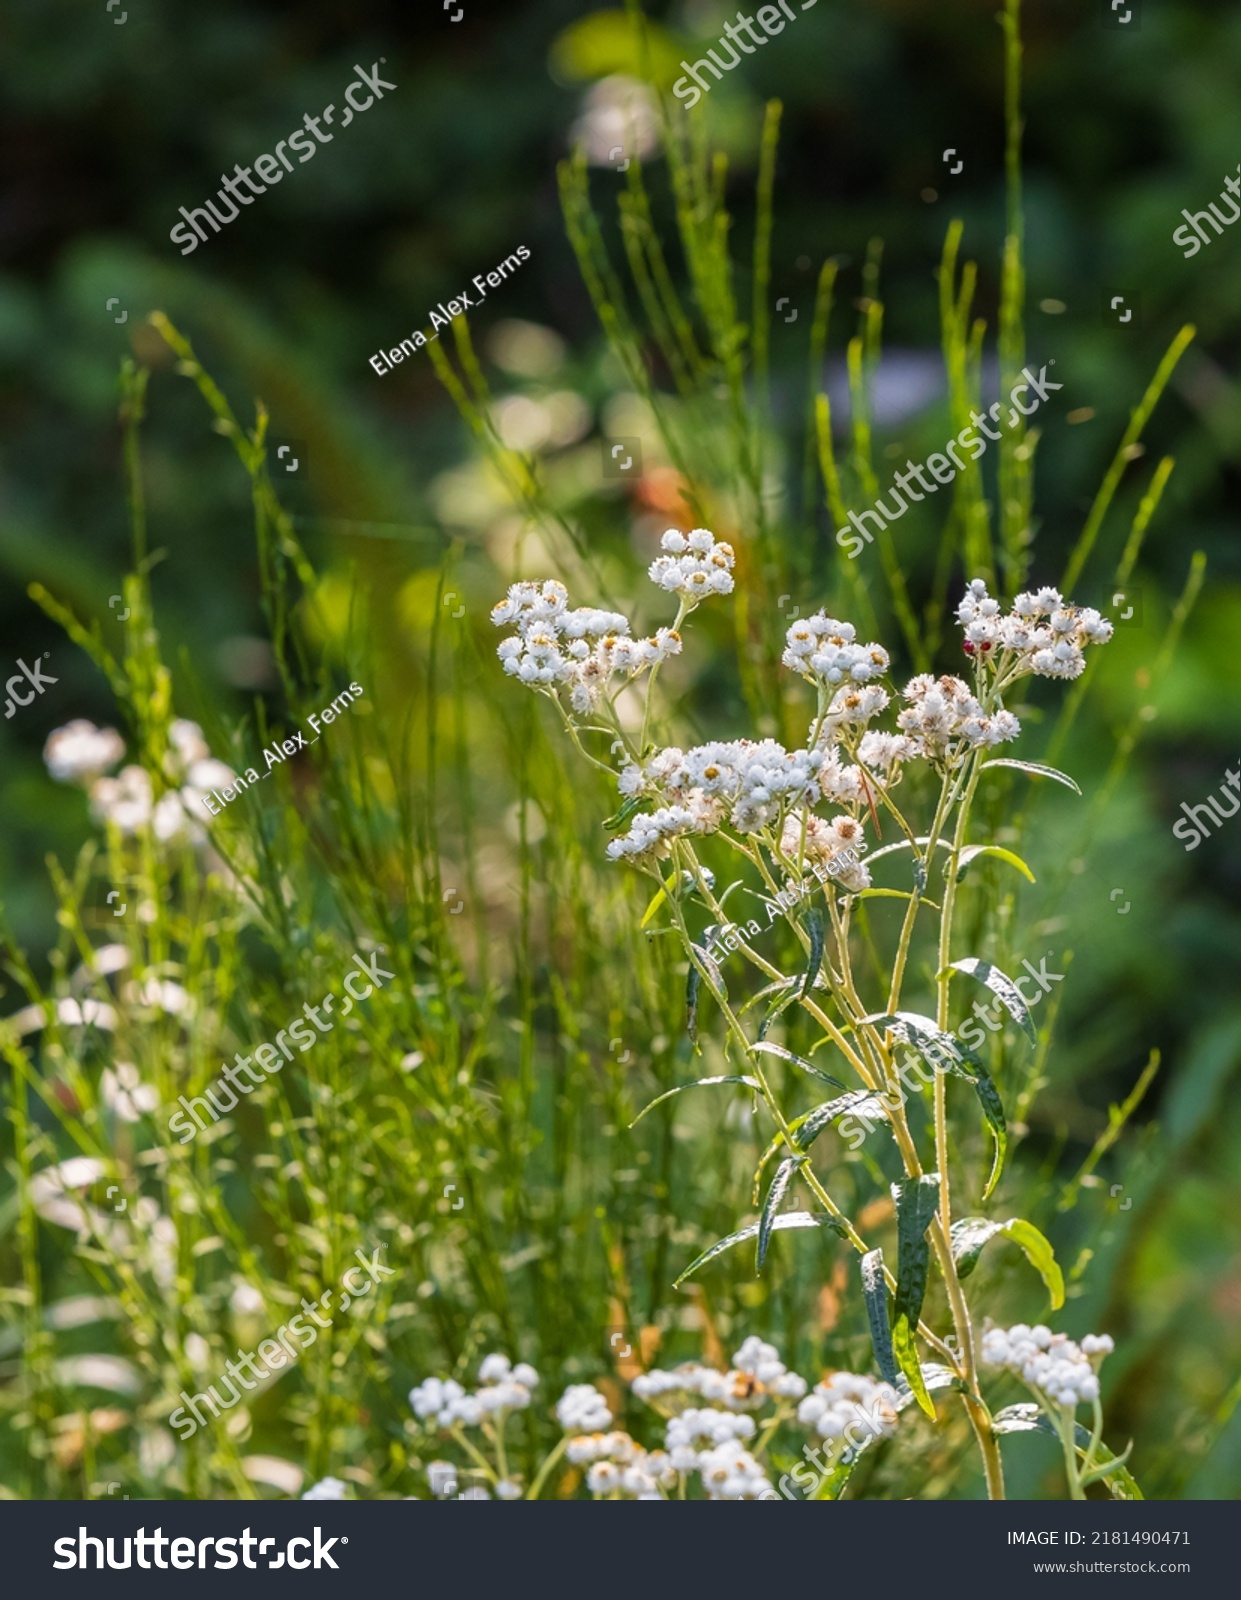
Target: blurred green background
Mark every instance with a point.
(108, 129)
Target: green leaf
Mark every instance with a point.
(916, 1202)
(923, 1034)
(975, 1073)
(904, 844)
(660, 896)
(1035, 769)
(993, 1110)
(808, 1128)
(973, 851)
(789, 1219)
(1029, 1418)
(875, 1291)
(818, 939)
(1039, 1254)
(785, 1174)
(698, 1083)
(933, 1377)
(766, 1047)
(693, 985)
(615, 823)
(1003, 987)
(895, 894)
(969, 1235)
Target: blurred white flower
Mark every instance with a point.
(80, 750)
(619, 113)
(125, 802)
(125, 1094)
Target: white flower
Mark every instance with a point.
(327, 1489)
(125, 1094)
(694, 566)
(493, 1368)
(187, 746)
(446, 1401)
(1024, 644)
(80, 750)
(731, 1473)
(582, 1409)
(1059, 1371)
(850, 1406)
(824, 650)
(126, 801)
(506, 1489)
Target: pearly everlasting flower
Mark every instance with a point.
(1059, 1370)
(582, 1409)
(850, 1406)
(731, 1473)
(1043, 634)
(883, 753)
(854, 707)
(943, 716)
(506, 1489)
(825, 652)
(693, 565)
(80, 751)
(447, 1402)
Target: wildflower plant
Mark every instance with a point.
(771, 809)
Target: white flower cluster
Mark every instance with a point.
(580, 651)
(693, 566)
(730, 1473)
(832, 844)
(824, 651)
(502, 1387)
(582, 1409)
(942, 711)
(82, 753)
(619, 1468)
(848, 1404)
(1057, 1367)
(756, 1375)
(1023, 642)
(746, 782)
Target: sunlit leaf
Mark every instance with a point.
(698, 1083)
(875, 1292)
(1035, 769)
(785, 1174)
(789, 1219)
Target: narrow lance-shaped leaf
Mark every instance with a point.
(916, 1202)
(766, 1047)
(785, 1173)
(698, 1083)
(1026, 1417)
(973, 851)
(1003, 987)
(993, 1110)
(818, 940)
(789, 1219)
(969, 1235)
(1035, 769)
(860, 1101)
(875, 1290)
